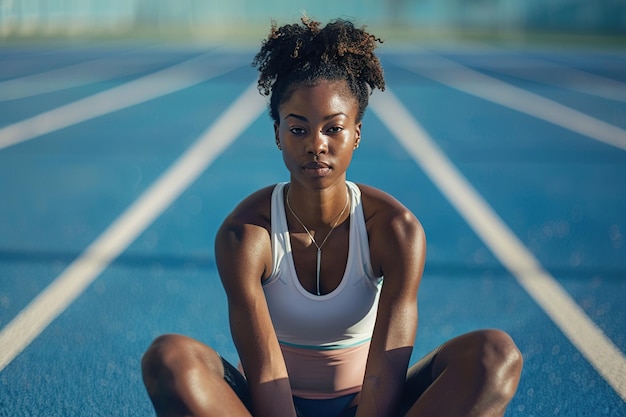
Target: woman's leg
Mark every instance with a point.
(475, 374)
(184, 377)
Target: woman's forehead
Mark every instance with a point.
(326, 94)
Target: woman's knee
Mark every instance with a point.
(489, 356)
(172, 353)
(502, 359)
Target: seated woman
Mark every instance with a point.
(322, 274)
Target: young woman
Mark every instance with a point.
(322, 274)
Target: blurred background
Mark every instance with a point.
(246, 20)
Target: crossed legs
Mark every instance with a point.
(475, 374)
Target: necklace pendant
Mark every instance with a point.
(319, 264)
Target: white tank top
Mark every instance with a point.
(341, 319)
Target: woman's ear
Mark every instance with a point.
(357, 139)
(276, 136)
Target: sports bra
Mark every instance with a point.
(340, 319)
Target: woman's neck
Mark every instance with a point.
(319, 208)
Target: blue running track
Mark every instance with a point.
(117, 165)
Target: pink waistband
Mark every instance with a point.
(323, 374)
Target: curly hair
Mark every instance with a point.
(304, 54)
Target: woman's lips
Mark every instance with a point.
(317, 169)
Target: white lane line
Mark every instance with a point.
(68, 286)
(608, 360)
(472, 82)
(80, 74)
(157, 84)
(549, 72)
(565, 77)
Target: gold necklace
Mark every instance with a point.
(319, 247)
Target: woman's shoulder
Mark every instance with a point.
(377, 201)
(395, 234)
(381, 209)
(254, 210)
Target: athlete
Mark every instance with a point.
(322, 274)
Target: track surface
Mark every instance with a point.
(514, 161)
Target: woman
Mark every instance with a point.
(322, 274)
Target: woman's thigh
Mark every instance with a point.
(418, 378)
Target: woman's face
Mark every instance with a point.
(318, 132)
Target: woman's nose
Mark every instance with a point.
(318, 144)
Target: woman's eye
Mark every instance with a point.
(297, 130)
(335, 129)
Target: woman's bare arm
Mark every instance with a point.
(243, 256)
(398, 249)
